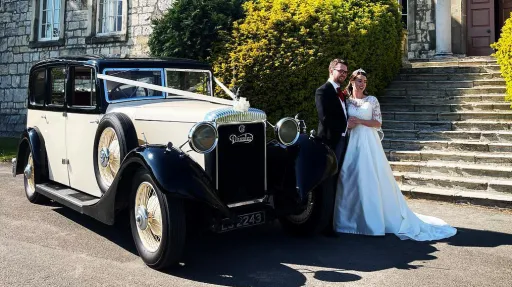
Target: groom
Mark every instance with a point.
(332, 121)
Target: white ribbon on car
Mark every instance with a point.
(241, 104)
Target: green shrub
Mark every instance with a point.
(504, 55)
(190, 28)
(280, 52)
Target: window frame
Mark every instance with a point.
(71, 82)
(192, 70)
(31, 100)
(36, 26)
(49, 81)
(94, 34)
(406, 6)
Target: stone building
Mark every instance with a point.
(440, 28)
(31, 30)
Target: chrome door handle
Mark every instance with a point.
(43, 117)
(95, 121)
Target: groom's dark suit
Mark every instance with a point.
(332, 122)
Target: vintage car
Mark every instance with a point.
(148, 137)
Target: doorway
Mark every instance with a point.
(485, 18)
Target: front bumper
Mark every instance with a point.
(14, 161)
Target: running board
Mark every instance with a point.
(71, 198)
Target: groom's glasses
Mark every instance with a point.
(341, 71)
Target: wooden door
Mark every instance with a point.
(481, 29)
(505, 9)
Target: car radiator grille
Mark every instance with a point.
(241, 162)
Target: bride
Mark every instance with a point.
(368, 199)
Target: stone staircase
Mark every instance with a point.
(448, 132)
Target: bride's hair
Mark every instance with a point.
(352, 78)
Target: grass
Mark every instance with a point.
(8, 148)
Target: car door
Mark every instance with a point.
(82, 121)
(53, 124)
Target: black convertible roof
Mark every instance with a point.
(102, 62)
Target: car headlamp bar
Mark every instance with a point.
(182, 93)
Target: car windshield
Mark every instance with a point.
(119, 91)
(195, 81)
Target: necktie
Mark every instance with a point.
(340, 93)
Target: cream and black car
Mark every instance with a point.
(148, 136)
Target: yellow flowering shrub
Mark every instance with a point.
(280, 52)
(503, 55)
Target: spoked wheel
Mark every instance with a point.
(30, 180)
(109, 156)
(115, 138)
(303, 216)
(157, 222)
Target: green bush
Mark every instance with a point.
(191, 28)
(504, 55)
(280, 52)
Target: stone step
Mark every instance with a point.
(448, 76)
(454, 182)
(490, 68)
(473, 125)
(489, 199)
(436, 107)
(404, 144)
(454, 169)
(444, 100)
(483, 136)
(447, 116)
(455, 63)
(445, 93)
(421, 85)
(481, 158)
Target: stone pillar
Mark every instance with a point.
(443, 28)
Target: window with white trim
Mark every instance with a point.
(110, 16)
(49, 20)
(404, 12)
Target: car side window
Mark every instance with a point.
(37, 87)
(58, 86)
(83, 87)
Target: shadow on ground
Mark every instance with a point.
(266, 256)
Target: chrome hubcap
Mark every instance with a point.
(28, 171)
(304, 216)
(148, 216)
(104, 156)
(142, 218)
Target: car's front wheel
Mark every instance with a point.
(315, 217)
(157, 222)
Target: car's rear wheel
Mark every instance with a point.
(157, 222)
(315, 217)
(29, 176)
(115, 137)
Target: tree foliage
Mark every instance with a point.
(503, 55)
(191, 28)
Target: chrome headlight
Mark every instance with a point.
(203, 137)
(287, 131)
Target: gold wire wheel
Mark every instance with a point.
(109, 157)
(304, 216)
(148, 216)
(29, 176)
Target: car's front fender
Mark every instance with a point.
(304, 165)
(177, 174)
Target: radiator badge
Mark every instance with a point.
(243, 138)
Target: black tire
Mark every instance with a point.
(126, 136)
(32, 195)
(316, 220)
(173, 223)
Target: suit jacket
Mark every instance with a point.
(331, 117)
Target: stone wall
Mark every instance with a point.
(421, 26)
(19, 48)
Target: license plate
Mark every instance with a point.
(246, 220)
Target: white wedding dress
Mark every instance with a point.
(368, 199)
